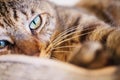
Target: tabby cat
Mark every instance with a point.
(75, 35)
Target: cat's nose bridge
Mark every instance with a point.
(26, 43)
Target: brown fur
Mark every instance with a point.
(63, 30)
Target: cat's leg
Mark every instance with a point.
(90, 55)
(105, 52)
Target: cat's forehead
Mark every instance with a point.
(19, 11)
(7, 6)
(14, 8)
(16, 11)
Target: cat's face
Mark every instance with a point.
(25, 26)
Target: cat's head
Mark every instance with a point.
(26, 26)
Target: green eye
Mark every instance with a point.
(3, 44)
(35, 23)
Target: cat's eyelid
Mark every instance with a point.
(33, 17)
(7, 39)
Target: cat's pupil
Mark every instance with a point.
(35, 23)
(3, 44)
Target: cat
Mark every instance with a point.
(41, 28)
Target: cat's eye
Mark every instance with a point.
(3, 44)
(35, 23)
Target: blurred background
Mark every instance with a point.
(65, 2)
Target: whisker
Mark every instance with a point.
(71, 34)
(64, 33)
(62, 51)
(67, 35)
(48, 50)
(74, 37)
(63, 47)
(60, 35)
(59, 41)
(71, 38)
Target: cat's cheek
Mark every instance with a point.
(47, 31)
(44, 39)
(5, 51)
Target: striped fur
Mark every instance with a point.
(67, 34)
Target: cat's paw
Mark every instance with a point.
(90, 55)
